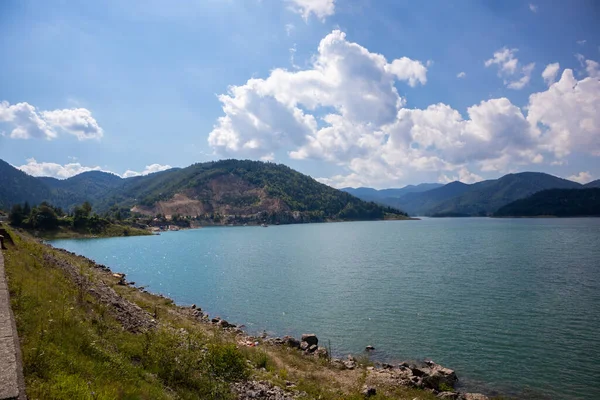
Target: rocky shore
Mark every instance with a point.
(426, 375)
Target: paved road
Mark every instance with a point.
(11, 375)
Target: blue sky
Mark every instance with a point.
(353, 92)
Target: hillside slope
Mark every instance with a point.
(240, 188)
(385, 196)
(86, 186)
(486, 197)
(481, 198)
(555, 202)
(245, 189)
(17, 187)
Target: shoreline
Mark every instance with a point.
(421, 374)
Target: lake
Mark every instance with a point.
(513, 305)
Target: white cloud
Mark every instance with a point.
(464, 175)
(28, 122)
(505, 59)
(76, 121)
(345, 79)
(150, 169)
(524, 80)
(63, 171)
(461, 74)
(592, 68)
(565, 118)
(583, 177)
(581, 42)
(345, 110)
(54, 170)
(533, 7)
(320, 8)
(550, 73)
(508, 66)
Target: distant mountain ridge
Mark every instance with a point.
(583, 202)
(371, 194)
(238, 188)
(481, 198)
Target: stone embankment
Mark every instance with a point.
(425, 375)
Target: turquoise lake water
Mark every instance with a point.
(513, 305)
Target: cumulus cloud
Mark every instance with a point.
(35, 168)
(63, 171)
(565, 118)
(150, 169)
(533, 8)
(320, 8)
(461, 74)
(265, 115)
(550, 72)
(76, 121)
(583, 177)
(27, 122)
(509, 68)
(345, 109)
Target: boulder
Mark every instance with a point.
(368, 391)
(313, 348)
(310, 338)
(369, 348)
(322, 352)
(291, 342)
(304, 346)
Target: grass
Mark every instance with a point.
(73, 347)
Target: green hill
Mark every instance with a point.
(482, 198)
(219, 191)
(17, 187)
(555, 202)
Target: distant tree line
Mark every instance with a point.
(47, 217)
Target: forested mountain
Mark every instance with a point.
(223, 188)
(555, 202)
(593, 184)
(482, 198)
(388, 195)
(80, 188)
(17, 187)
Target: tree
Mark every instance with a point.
(16, 215)
(43, 217)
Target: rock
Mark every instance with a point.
(215, 320)
(350, 362)
(433, 376)
(262, 390)
(193, 306)
(448, 395)
(369, 348)
(473, 396)
(312, 348)
(224, 324)
(291, 342)
(322, 352)
(304, 346)
(368, 391)
(310, 338)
